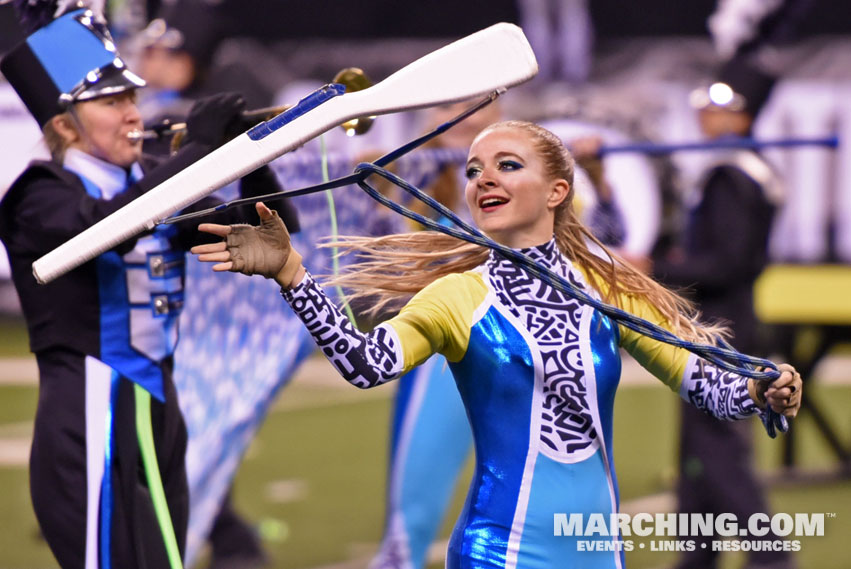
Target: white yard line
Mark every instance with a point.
(15, 441)
(18, 371)
(15, 452)
(317, 372)
(316, 385)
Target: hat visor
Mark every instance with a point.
(111, 84)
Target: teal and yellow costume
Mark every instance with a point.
(537, 372)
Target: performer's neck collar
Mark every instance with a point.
(109, 178)
(547, 254)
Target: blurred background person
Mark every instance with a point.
(176, 53)
(724, 250)
(104, 335)
(604, 216)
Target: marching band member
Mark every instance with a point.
(537, 370)
(103, 334)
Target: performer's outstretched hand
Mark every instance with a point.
(254, 250)
(783, 394)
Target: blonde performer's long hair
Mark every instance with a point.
(393, 268)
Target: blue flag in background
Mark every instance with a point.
(239, 341)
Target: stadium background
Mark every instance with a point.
(314, 476)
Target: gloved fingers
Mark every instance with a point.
(270, 219)
(779, 394)
(239, 235)
(784, 393)
(264, 212)
(215, 229)
(785, 369)
(221, 257)
(789, 380)
(214, 253)
(272, 230)
(786, 406)
(209, 248)
(252, 250)
(219, 267)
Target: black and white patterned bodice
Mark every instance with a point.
(552, 319)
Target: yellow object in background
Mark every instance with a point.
(812, 294)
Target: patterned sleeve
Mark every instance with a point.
(364, 360)
(715, 391)
(436, 320)
(720, 393)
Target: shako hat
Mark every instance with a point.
(739, 86)
(65, 60)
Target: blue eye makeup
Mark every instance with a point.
(509, 165)
(504, 165)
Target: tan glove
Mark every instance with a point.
(253, 250)
(783, 394)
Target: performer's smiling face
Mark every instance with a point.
(106, 122)
(509, 192)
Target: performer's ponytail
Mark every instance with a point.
(392, 269)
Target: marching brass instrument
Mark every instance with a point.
(353, 78)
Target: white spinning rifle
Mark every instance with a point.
(495, 58)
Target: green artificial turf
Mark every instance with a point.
(14, 341)
(313, 481)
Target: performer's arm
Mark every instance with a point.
(718, 392)
(723, 394)
(431, 322)
(436, 320)
(52, 206)
(364, 360)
